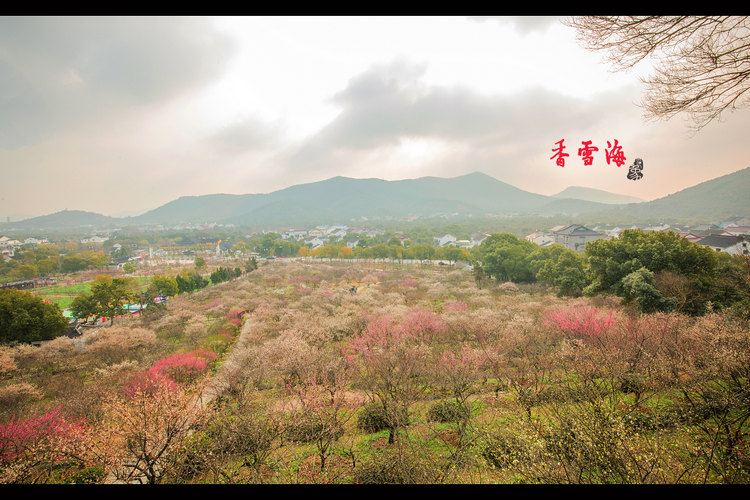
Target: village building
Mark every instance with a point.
(444, 240)
(294, 234)
(315, 242)
(733, 245)
(96, 240)
(738, 230)
(575, 236)
(692, 238)
(467, 244)
(478, 238)
(7, 242)
(540, 238)
(34, 241)
(735, 221)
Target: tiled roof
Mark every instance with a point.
(577, 230)
(721, 241)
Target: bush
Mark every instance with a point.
(88, 475)
(505, 450)
(24, 317)
(373, 418)
(448, 411)
(398, 466)
(306, 430)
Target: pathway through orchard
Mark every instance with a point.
(211, 390)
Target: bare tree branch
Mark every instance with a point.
(702, 62)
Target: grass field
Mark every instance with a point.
(63, 295)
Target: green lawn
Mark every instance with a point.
(63, 295)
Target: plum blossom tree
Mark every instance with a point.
(392, 360)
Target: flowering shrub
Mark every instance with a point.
(167, 372)
(582, 321)
(7, 361)
(423, 323)
(13, 395)
(19, 436)
(455, 306)
(147, 382)
(409, 283)
(183, 366)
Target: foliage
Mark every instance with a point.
(27, 318)
(448, 411)
(505, 258)
(398, 465)
(107, 297)
(373, 418)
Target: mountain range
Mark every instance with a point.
(343, 199)
(595, 195)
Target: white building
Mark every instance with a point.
(316, 242)
(94, 239)
(6, 242)
(734, 245)
(575, 236)
(294, 234)
(540, 238)
(444, 240)
(34, 241)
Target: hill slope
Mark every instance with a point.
(595, 195)
(709, 201)
(341, 199)
(65, 219)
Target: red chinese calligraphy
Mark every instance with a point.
(559, 153)
(585, 152)
(615, 154)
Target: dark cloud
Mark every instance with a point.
(56, 71)
(523, 24)
(389, 103)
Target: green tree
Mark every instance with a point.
(506, 258)
(560, 267)
(164, 285)
(128, 267)
(251, 264)
(24, 317)
(611, 260)
(200, 262)
(107, 297)
(452, 253)
(638, 287)
(184, 283)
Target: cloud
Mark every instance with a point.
(390, 104)
(244, 135)
(523, 24)
(56, 72)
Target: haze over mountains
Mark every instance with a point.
(342, 199)
(595, 195)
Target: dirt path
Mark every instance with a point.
(213, 388)
(209, 393)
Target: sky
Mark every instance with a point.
(121, 115)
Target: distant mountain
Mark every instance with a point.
(709, 201)
(595, 195)
(65, 219)
(342, 199)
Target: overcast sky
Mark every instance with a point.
(118, 116)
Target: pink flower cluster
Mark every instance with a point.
(455, 306)
(383, 333)
(166, 372)
(234, 316)
(409, 283)
(17, 436)
(587, 322)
